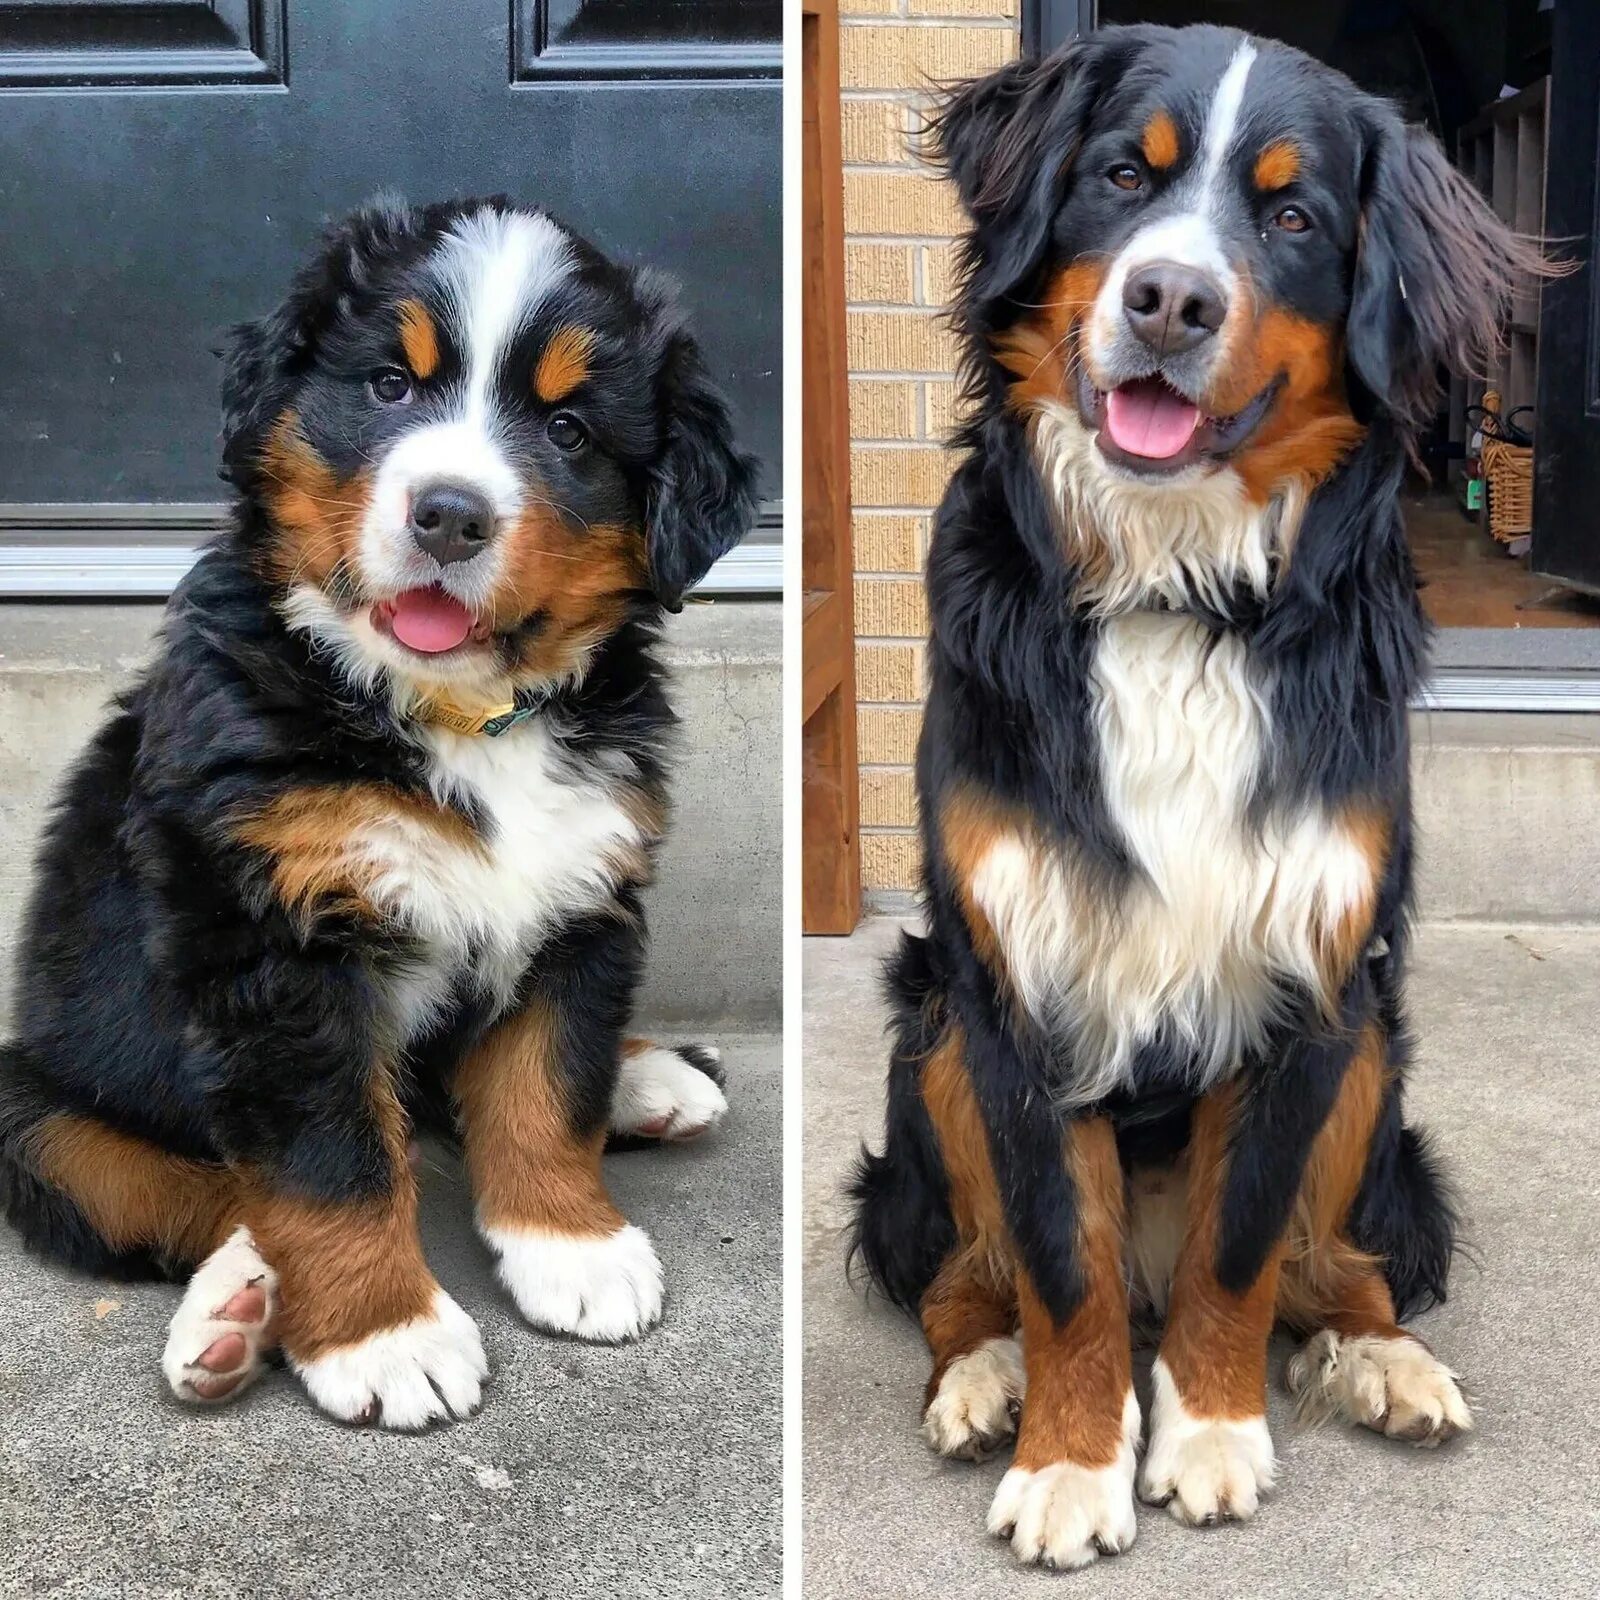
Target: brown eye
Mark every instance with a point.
(1292, 220)
(1126, 177)
(567, 433)
(391, 385)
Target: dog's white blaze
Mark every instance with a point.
(497, 269)
(552, 841)
(1219, 906)
(1222, 120)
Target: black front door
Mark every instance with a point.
(164, 166)
(1566, 460)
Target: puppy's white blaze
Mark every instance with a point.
(659, 1083)
(195, 1326)
(1065, 1515)
(1209, 1467)
(1220, 907)
(426, 1370)
(973, 1401)
(605, 1287)
(1393, 1385)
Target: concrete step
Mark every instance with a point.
(715, 913)
(1507, 806)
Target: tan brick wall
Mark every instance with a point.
(899, 222)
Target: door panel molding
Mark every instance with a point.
(110, 551)
(102, 44)
(535, 58)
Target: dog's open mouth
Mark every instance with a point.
(1148, 426)
(429, 621)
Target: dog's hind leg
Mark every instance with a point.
(221, 1334)
(669, 1092)
(1359, 1364)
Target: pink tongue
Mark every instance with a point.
(1149, 419)
(429, 620)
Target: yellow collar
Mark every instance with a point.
(491, 721)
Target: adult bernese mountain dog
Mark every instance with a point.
(362, 850)
(1150, 1053)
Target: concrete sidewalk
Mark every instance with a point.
(650, 1470)
(1508, 1061)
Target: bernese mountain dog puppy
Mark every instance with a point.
(1150, 1054)
(362, 850)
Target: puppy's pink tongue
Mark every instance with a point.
(429, 620)
(1148, 418)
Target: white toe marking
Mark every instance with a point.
(1393, 1385)
(659, 1083)
(1203, 1469)
(232, 1266)
(1065, 1515)
(606, 1288)
(427, 1370)
(971, 1411)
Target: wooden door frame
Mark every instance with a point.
(829, 782)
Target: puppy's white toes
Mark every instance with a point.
(1393, 1385)
(662, 1094)
(1203, 1470)
(604, 1287)
(222, 1330)
(430, 1369)
(974, 1409)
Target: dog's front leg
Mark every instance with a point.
(1068, 1496)
(1210, 1455)
(535, 1099)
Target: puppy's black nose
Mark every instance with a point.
(1172, 307)
(451, 522)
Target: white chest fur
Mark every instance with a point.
(552, 838)
(1219, 907)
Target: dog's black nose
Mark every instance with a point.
(1172, 307)
(451, 522)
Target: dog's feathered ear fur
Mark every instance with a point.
(700, 496)
(1434, 275)
(1007, 142)
(263, 358)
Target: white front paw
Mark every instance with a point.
(661, 1095)
(1066, 1515)
(604, 1287)
(1203, 1470)
(426, 1370)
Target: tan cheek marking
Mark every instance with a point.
(1160, 141)
(310, 834)
(563, 365)
(419, 339)
(1277, 166)
(529, 1169)
(317, 515)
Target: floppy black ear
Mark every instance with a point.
(262, 359)
(1434, 275)
(700, 498)
(1007, 142)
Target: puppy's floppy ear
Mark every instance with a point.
(1434, 275)
(1007, 142)
(700, 493)
(262, 359)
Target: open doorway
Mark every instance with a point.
(1477, 73)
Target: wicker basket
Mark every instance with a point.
(1508, 471)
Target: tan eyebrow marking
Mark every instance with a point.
(564, 364)
(419, 339)
(1277, 166)
(1160, 141)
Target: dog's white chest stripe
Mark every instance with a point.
(1220, 907)
(552, 840)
